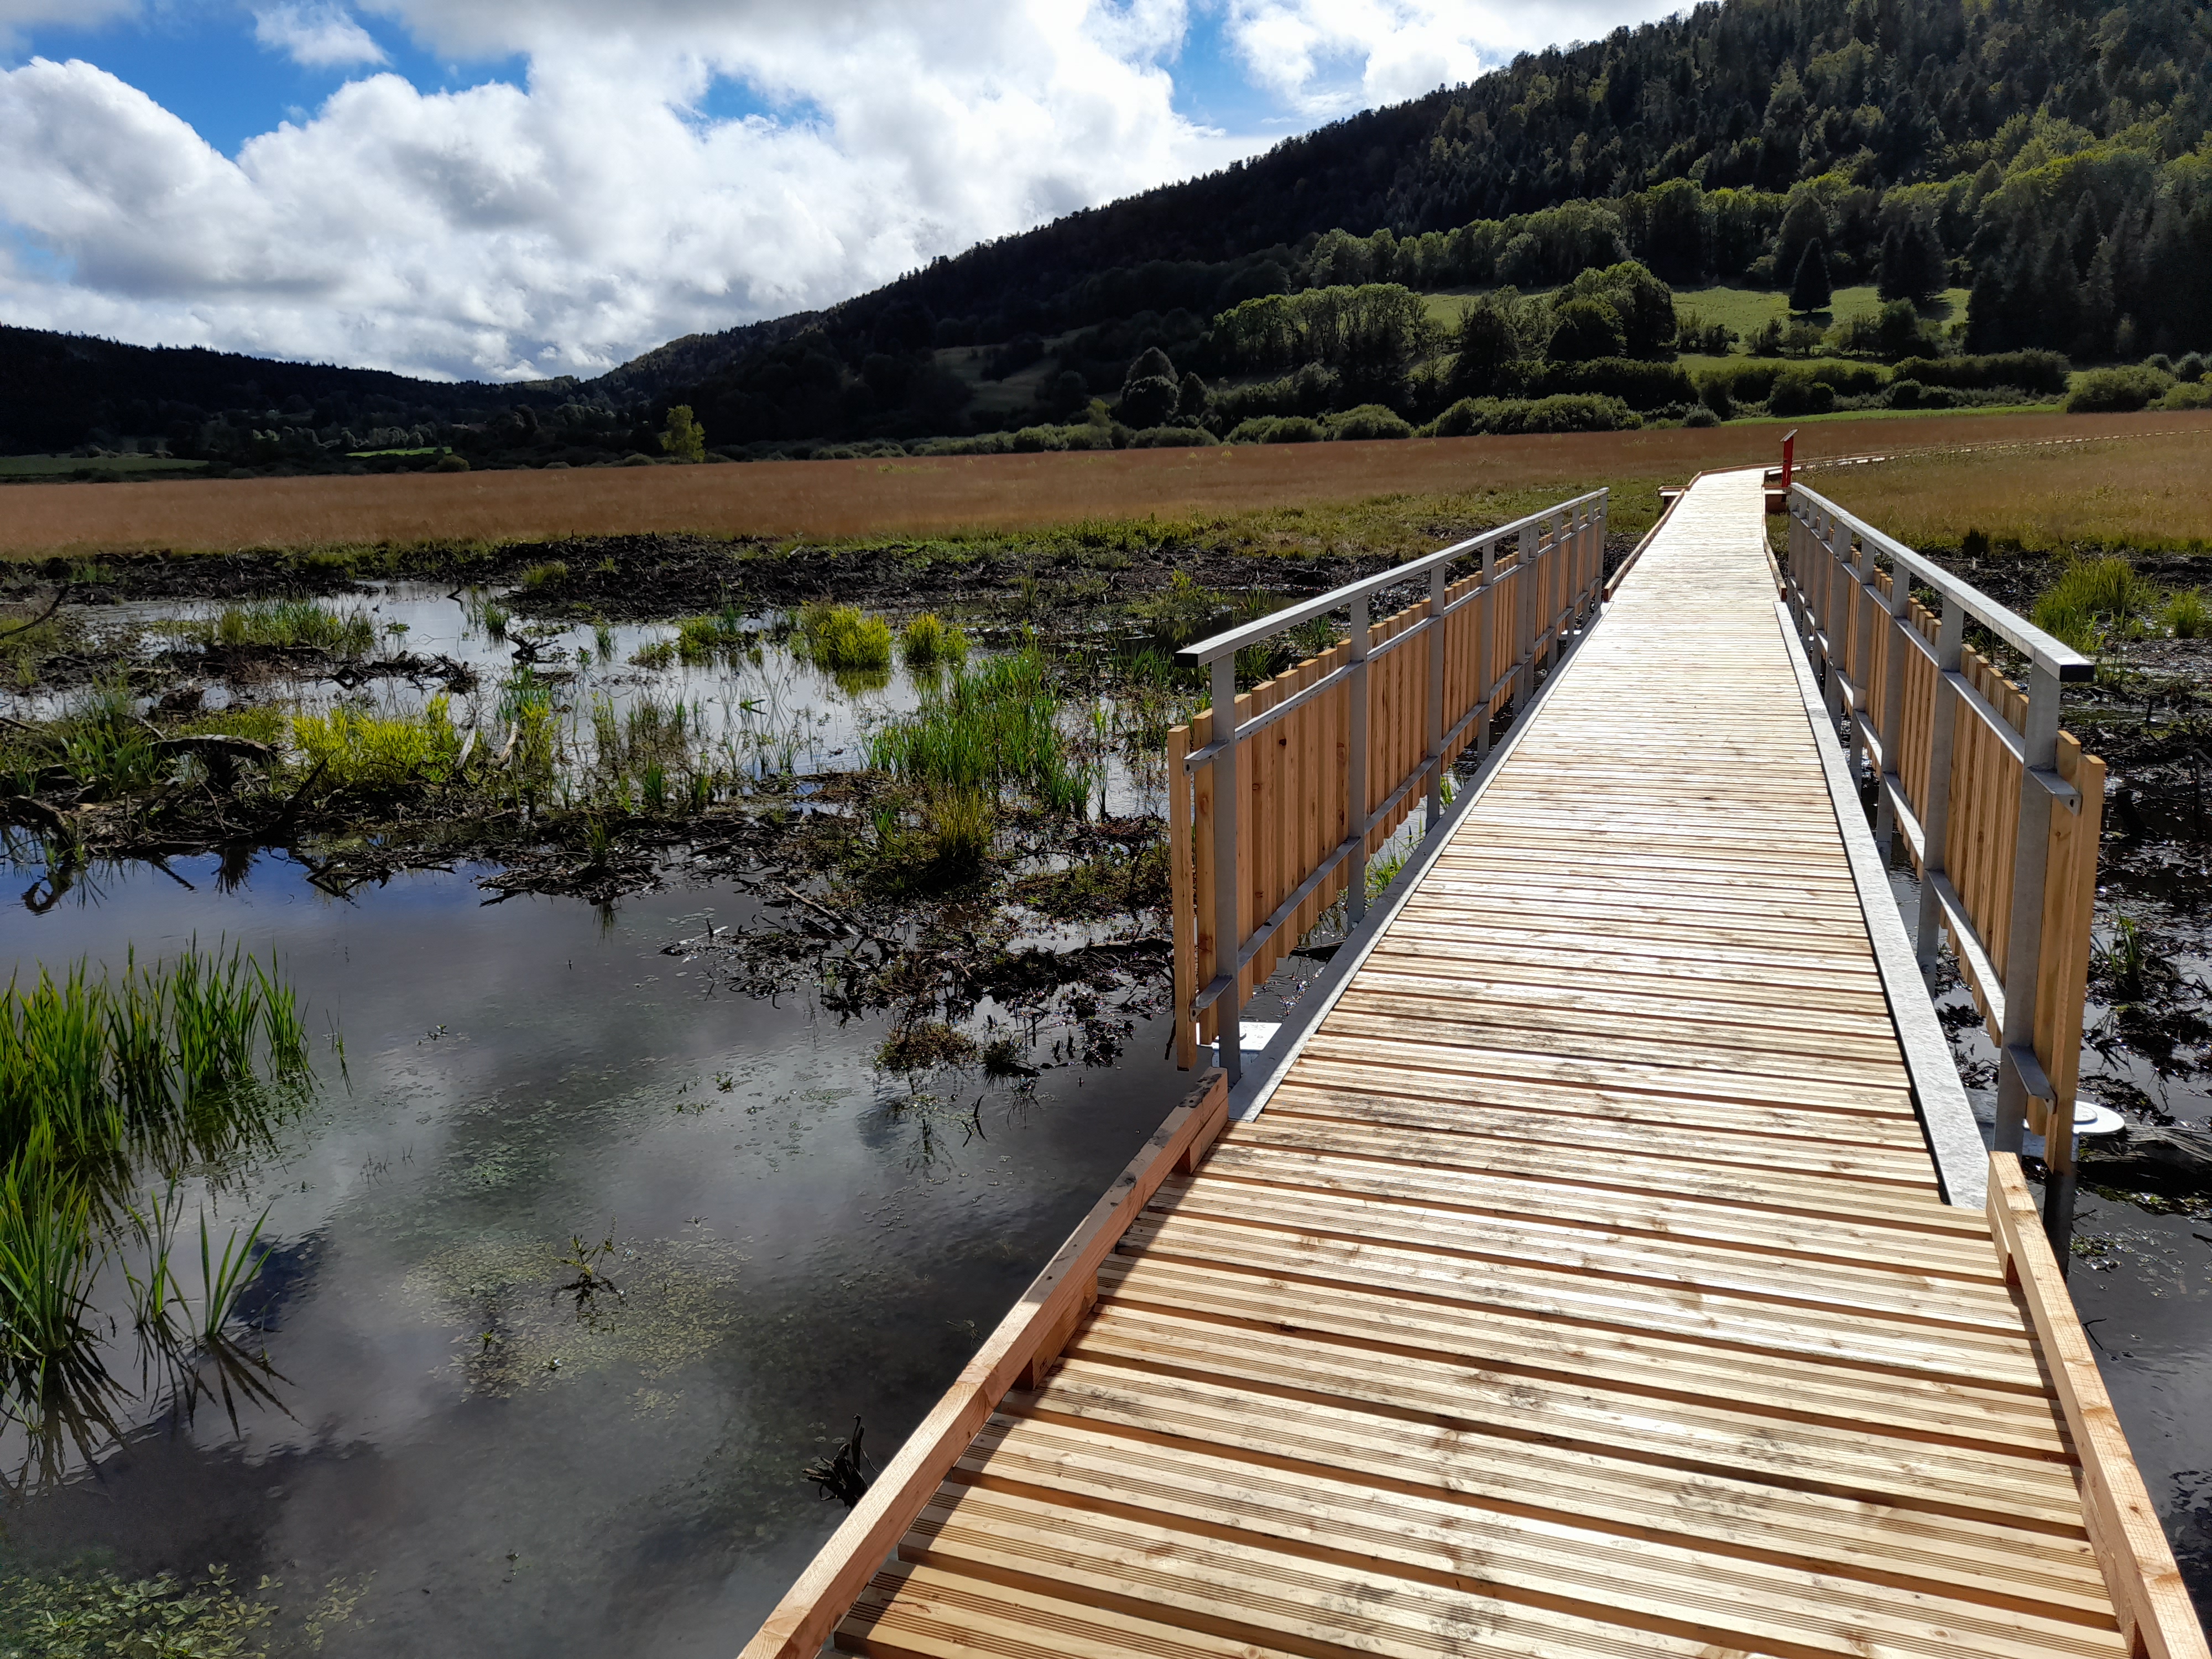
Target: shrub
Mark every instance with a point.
(1277, 429)
(1714, 394)
(1368, 420)
(451, 463)
(1584, 329)
(1172, 437)
(1701, 416)
(1639, 384)
(1905, 394)
(1795, 391)
(2188, 394)
(2031, 371)
(2116, 390)
(1564, 412)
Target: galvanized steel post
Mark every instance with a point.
(1227, 878)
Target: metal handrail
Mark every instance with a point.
(2049, 655)
(1824, 595)
(1251, 633)
(1532, 635)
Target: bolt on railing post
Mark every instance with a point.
(1936, 811)
(1227, 878)
(1355, 770)
(1436, 697)
(2024, 931)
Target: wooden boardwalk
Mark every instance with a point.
(1585, 1286)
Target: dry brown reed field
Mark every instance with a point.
(2151, 491)
(940, 495)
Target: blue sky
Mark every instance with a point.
(488, 188)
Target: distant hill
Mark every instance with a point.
(2049, 155)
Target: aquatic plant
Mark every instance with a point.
(992, 726)
(494, 617)
(926, 1044)
(295, 624)
(184, 1063)
(843, 1475)
(551, 574)
(93, 1613)
(371, 753)
(655, 654)
(842, 638)
(47, 1259)
(928, 641)
(960, 825)
(2188, 615)
(603, 637)
(2094, 601)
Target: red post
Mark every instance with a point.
(1789, 452)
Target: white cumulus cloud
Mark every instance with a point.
(18, 17)
(565, 224)
(1325, 56)
(318, 36)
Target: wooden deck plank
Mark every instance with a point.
(1585, 1287)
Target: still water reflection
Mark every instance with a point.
(494, 1465)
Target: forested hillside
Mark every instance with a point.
(2044, 161)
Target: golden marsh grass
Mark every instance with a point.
(822, 500)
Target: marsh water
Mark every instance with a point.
(497, 1468)
(467, 1455)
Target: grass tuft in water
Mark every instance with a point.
(296, 623)
(989, 728)
(2096, 601)
(98, 1070)
(379, 755)
(928, 641)
(2188, 617)
(844, 638)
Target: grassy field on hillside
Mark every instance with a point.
(1742, 309)
(1176, 489)
(62, 467)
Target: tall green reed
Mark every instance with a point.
(992, 727)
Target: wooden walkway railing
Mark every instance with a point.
(1274, 819)
(2000, 811)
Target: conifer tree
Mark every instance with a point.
(1812, 291)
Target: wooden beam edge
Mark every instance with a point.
(2156, 1617)
(811, 1608)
